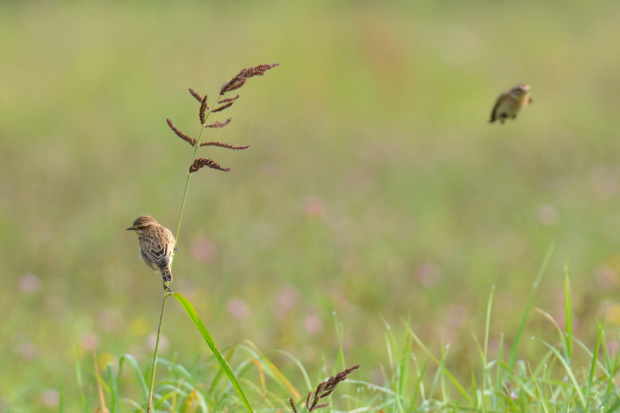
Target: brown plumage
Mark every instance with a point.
(156, 246)
(510, 102)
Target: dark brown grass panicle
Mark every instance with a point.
(200, 162)
(324, 389)
(180, 134)
(257, 70)
(221, 108)
(224, 145)
(218, 124)
(203, 109)
(195, 94)
(239, 80)
(227, 100)
(234, 84)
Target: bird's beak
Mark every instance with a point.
(131, 229)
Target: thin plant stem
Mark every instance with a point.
(189, 175)
(152, 384)
(163, 307)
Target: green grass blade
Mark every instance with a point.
(442, 369)
(569, 372)
(439, 364)
(487, 326)
(296, 362)
(61, 402)
(218, 375)
(568, 309)
(272, 371)
(500, 365)
(402, 369)
(136, 368)
(594, 361)
(486, 377)
(539, 392)
(478, 396)
(189, 308)
(114, 402)
(512, 358)
(80, 383)
(557, 327)
(419, 386)
(614, 407)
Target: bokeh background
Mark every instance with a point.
(374, 188)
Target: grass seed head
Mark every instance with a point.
(217, 124)
(323, 389)
(195, 94)
(203, 110)
(180, 134)
(221, 108)
(201, 162)
(225, 145)
(227, 100)
(239, 80)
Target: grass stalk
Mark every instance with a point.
(568, 310)
(439, 363)
(197, 163)
(512, 358)
(569, 373)
(597, 347)
(189, 175)
(176, 237)
(149, 402)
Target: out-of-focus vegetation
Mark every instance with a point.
(374, 187)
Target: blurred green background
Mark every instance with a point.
(374, 187)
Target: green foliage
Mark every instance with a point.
(414, 380)
(189, 308)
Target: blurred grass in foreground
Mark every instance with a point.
(566, 375)
(373, 187)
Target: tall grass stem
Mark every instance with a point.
(189, 175)
(149, 402)
(512, 358)
(176, 238)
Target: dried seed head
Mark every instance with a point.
(195, 94)
(181, 134)
(292, 403)
(222, 101)
(201, 162)
(326, 388)
(239, 80)
(221, 108)
(235, 83)
(203, 110)
(218, 124)
(258, 70)
(333, 381)
(224, 145)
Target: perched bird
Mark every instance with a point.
(156, 246)
(510, 103)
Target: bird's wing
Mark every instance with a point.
(157, 251)
(497, 103)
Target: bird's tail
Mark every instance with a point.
(166, 274)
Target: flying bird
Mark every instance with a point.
(509, 103)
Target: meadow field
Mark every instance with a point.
(374, 193)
